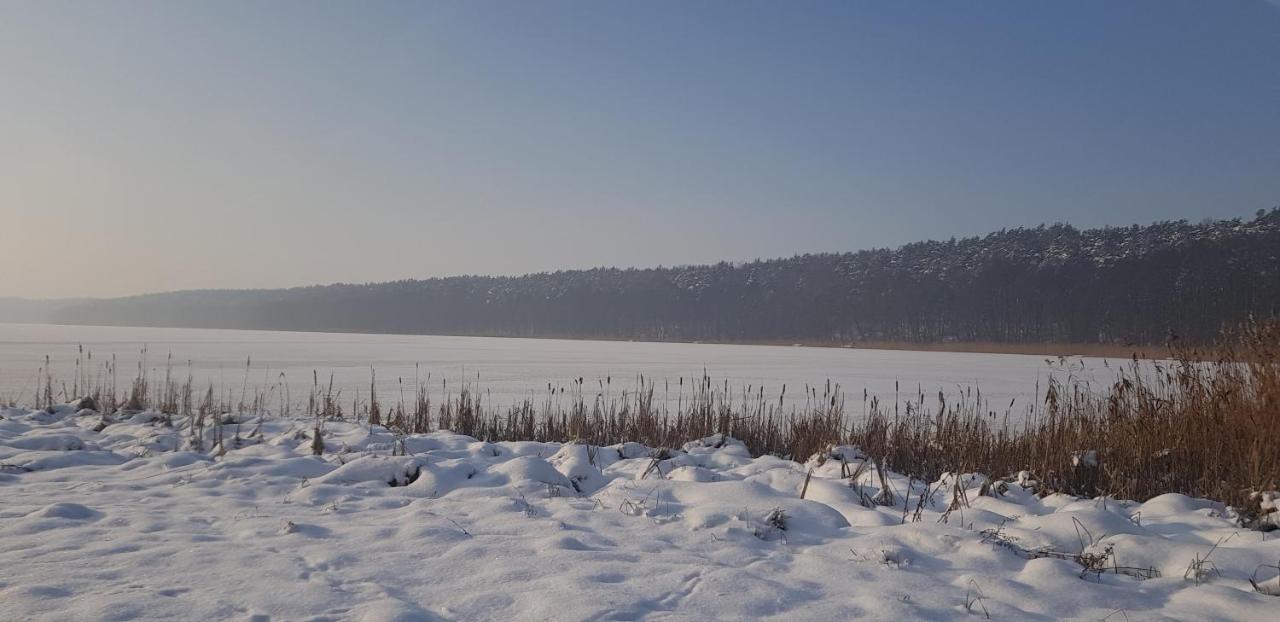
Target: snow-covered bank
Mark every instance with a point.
(125, 521)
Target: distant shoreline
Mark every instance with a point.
(971, 347)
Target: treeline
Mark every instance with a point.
(1056, 283)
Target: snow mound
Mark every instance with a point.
(387, 470)
(69, 511)
(531, 469)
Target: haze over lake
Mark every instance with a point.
(509, 370)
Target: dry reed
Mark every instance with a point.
(1204, 423)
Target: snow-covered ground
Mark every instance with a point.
(126, 521)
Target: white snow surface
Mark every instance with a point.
(130, 522)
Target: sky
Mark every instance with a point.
(156, 146)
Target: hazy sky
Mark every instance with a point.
(159, 146)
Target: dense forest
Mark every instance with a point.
(1136, 284)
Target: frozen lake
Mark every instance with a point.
(513, 369)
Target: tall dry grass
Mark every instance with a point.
(1205, 422)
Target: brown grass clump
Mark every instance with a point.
(1205, 424)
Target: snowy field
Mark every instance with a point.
(510, 370)
(120, 519)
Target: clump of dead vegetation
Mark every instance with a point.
(1203, 422)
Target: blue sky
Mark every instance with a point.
(233, 144)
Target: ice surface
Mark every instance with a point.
(510, 370)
